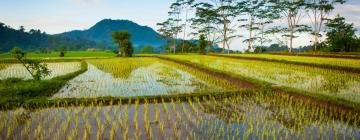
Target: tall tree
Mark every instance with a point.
(318, 11)
(251, 9)
(202, 44)
(293, 11)
(123, 39)
(174, 14)
(187, 6)
(340, 35)
(266, 15)
(226, 13)
(204, 23)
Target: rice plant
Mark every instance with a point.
(248, 116)
(57, 69)
(304, 78)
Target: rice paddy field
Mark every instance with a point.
(343, 62)
(138, 77)
(308, 79)
(153, 97)
(18, 71)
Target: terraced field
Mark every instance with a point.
(304, 78)
(193, 97)
(245, 116)
(342, 62)
(138, 77)
(57, 69)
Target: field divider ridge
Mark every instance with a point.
(325, 66)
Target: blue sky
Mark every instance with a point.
(57, 16)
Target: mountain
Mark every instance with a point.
(101, 33)
(36, 40)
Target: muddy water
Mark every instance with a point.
(156, 79)
(241, 117)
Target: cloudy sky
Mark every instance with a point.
(57, 16)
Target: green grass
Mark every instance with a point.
(15, 92)
(335, 63)
(69, 54)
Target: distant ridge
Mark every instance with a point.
(101, 33)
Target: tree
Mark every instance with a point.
(187, 5)
(204, 22)
(62, 52)
(251, 8)
(202, 44)
(169, 30)
(22, 29)
(293, 11)
(318, 11)
(341, 35)
(226, 13)
(266, 15)
(147, 50)
(123, 39)
(36, 69)
(174, 14)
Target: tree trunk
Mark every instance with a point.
(225, 33)
(119, 53)
(185, 26)
(250, 34)
(291, 42)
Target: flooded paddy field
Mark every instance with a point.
(138, 77)
(246, 116)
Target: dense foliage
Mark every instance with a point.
(36, 69)
(35, 40)
(341, 36)
(202, 44)
(123, 39)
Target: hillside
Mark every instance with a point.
(36, 40)
(101, 33)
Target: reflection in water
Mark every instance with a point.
(155, 79)
(256, 116)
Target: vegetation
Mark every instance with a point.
(302, 78)
(15, 92)
(36, 69)
(201, 93)
(340, 36)
(207, 117)
(352, 65)
(202, 44)
(138, 76)
(123, 39)
(69, 54)
(38, 40)
(147, 50)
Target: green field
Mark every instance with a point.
(341, 62)
(68, 54)
(181, 97)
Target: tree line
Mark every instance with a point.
(36, 40)
(220, 21)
